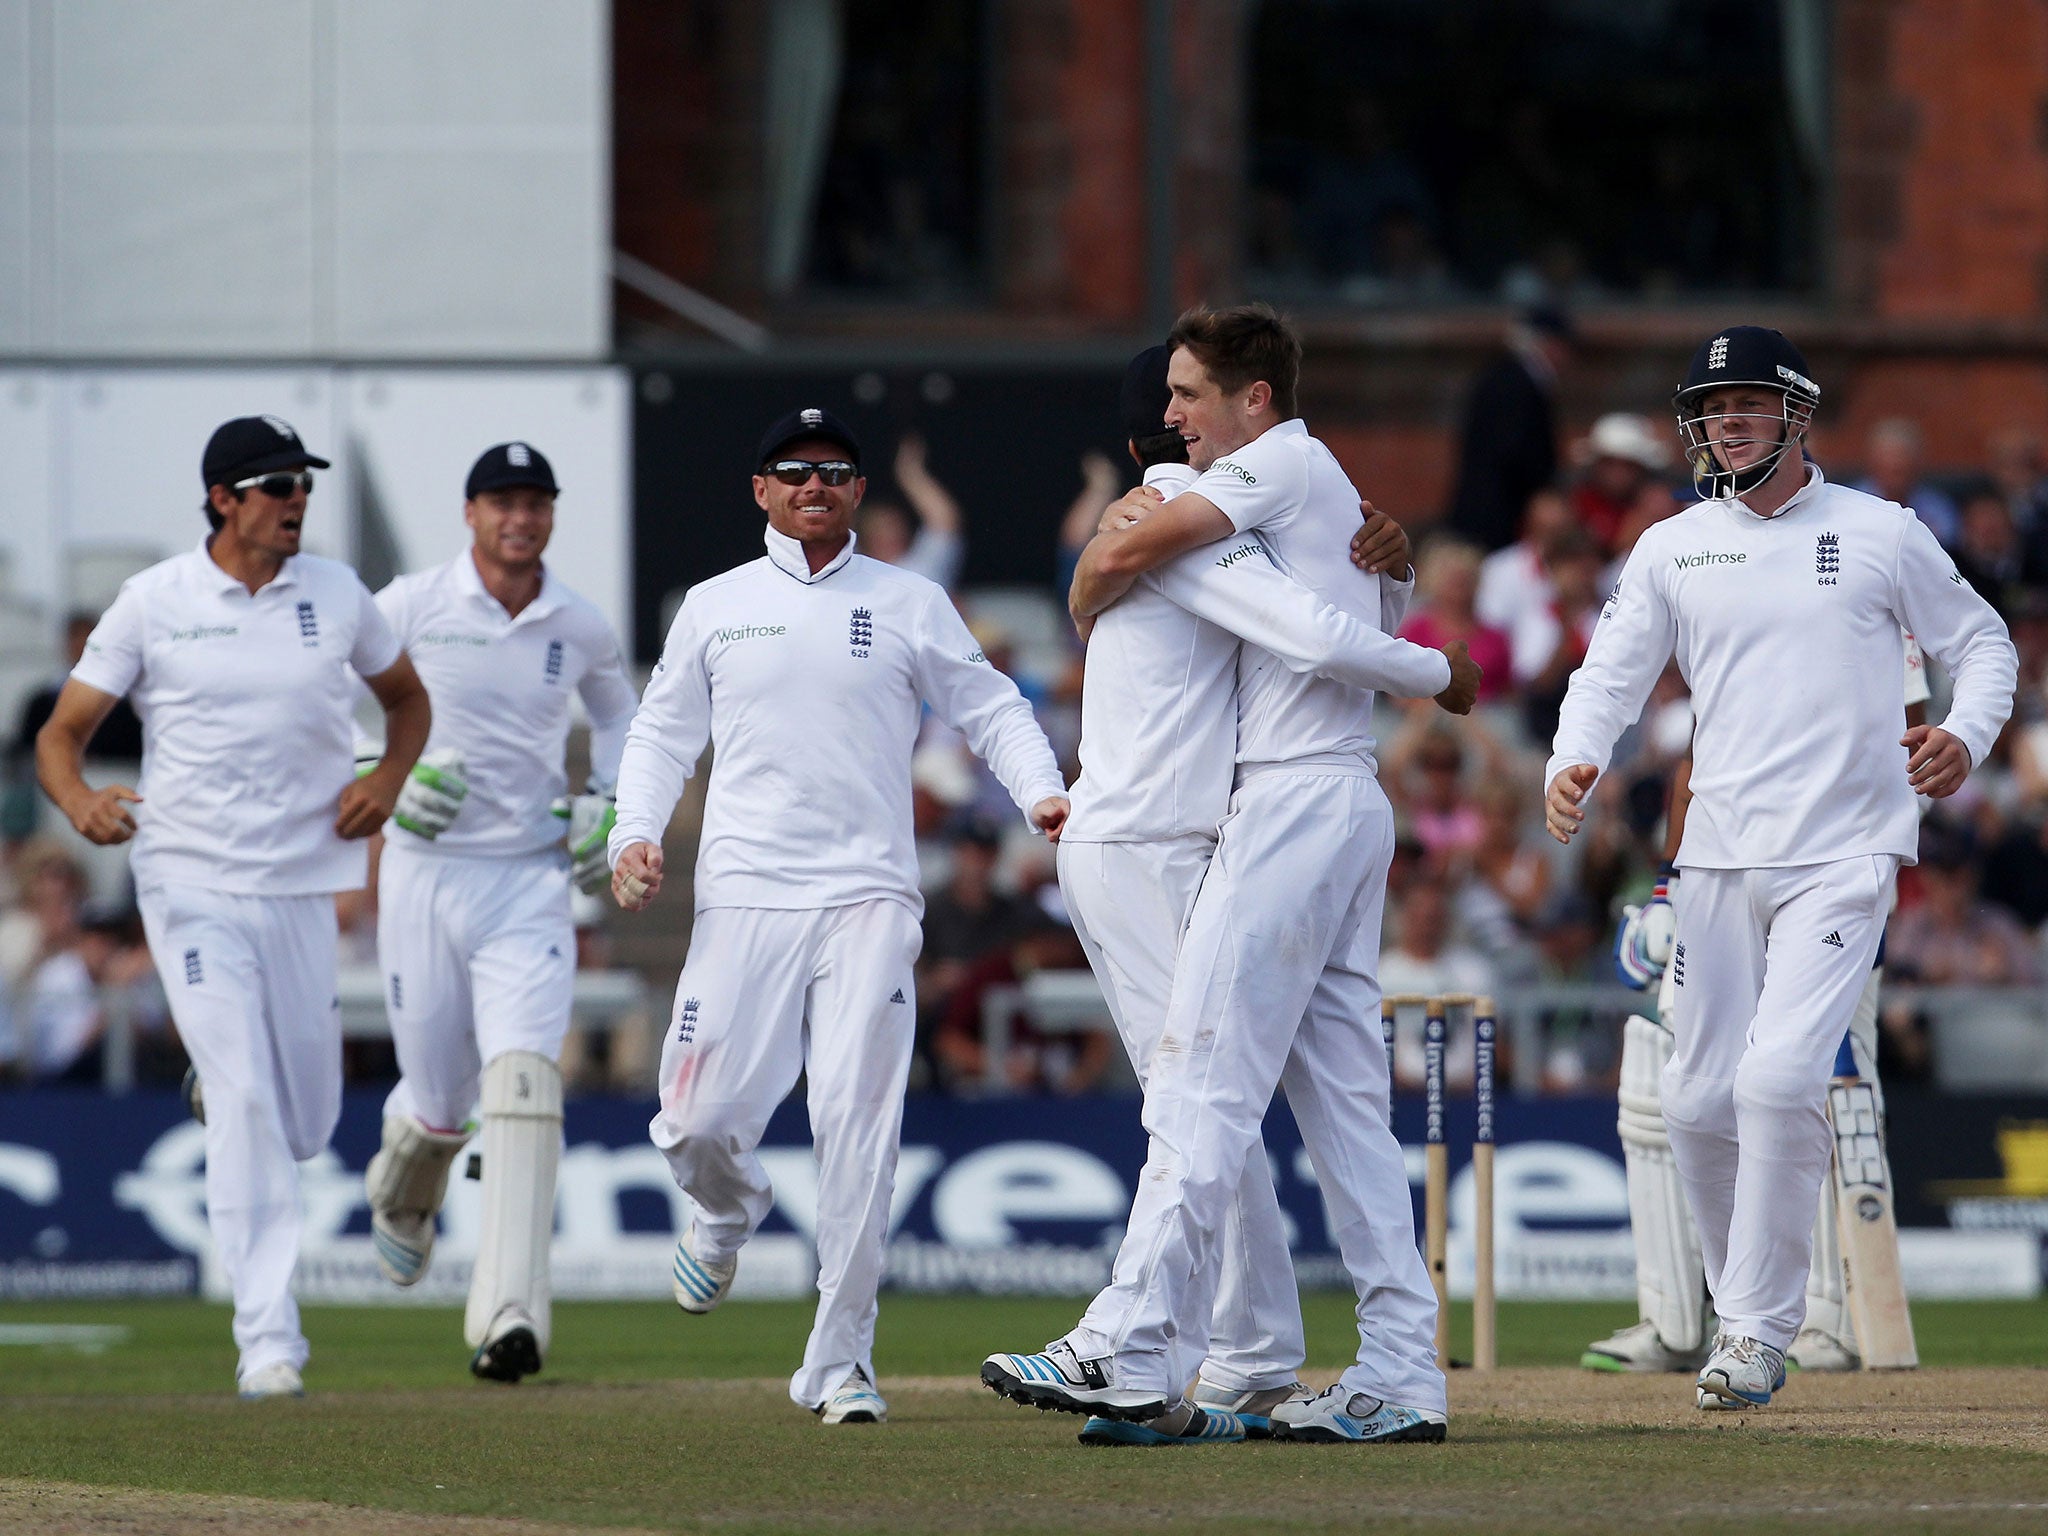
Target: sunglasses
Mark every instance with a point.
(799, 471)
(279, 486)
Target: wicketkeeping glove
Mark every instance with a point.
(591, 819)
(1643, 946)
(433, 793)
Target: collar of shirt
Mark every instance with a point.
(469, 581)
(1807, 492)
(215, 577)
(788, 556)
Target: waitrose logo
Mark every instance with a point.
(1707, 557)
(748, 632)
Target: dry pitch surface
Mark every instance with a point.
(1531, 1450)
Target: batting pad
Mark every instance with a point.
(522, 1104)
(405, 1183)
(1827, 1302)
(1671, 1289)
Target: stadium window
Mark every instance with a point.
(1446, 151)
(876, 149)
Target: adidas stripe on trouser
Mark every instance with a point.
(766, 994)
(1128, 902)
(250, 981)
(1275, 983)
(1767, 969)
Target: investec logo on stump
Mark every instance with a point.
(1708, 557)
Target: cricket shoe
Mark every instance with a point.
(1185, 1424)
(1253, 1408)
(854, 1401)
(280, 1379)
(1060, 1380)
(699, 1286)
(195, 1096)
(1640, 1347)
(1741, 1373)
(510, 1350)
(1818, 1350)
(1339, 1416)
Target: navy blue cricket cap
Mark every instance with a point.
(810, 422)
(510, 464)
(1142, 406)
(254, 445)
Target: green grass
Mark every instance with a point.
(646, 1418)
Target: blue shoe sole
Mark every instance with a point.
(1101, 1431)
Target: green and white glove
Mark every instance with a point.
(433, 793)
(591, 819)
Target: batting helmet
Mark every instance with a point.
(1742, 356)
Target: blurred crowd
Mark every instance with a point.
(1479, 899)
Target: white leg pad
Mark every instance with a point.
(522, 1143)
(1826, 1298)
(405, 1184)
(1671, 1290)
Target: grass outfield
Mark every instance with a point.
(646, 1418)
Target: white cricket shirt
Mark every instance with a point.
(1158, 705)
(246, 702)
(1787, 630)
(500, 686)
(811, 687)
(1291, 488)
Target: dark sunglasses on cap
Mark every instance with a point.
(799, 471)
(280, 485)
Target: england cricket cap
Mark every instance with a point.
(510, 464)
(1142, 407)
(253, 445)
(811, 422)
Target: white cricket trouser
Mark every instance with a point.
(764, 995)
(1128, 902)
(251, 985)
(1275, 987)
(1767, 969)
(479, 958)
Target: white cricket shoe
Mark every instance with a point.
(699, 1286)
(1061, 1380)
(278, 1380)
(1254, 1409)
(1818, 1350)
(403, 1241)
(1639, 1347)
(1339, 1416)
(510, 1350)
(854, 1401)
(1741, 1373)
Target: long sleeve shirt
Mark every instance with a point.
(1158, 708)
(1787, 630)
(500, 685)
(810, 687)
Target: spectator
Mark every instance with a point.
(1992, 555)
(120, 734)
(1424, 774)
(1101, 484)
(1036, 1061)
(933, 544)
(1621, 458)
(1550, 642)
(965, 922)
(1580, 1052)
(1508, 436)
(1424, 961)
(1446, 587)
(1516, 580)
(1950, 937)
(1511, 877)
(1892, 470)
(56, 1018)
(2014, 456)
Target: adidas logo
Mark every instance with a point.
(897, 996)
(1834, 939)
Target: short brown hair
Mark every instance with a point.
(1242, 345)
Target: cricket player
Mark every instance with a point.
(1274, 980)
(1158, 742)
(1783, 598)
(807, 670)
(473, 926)
(240, 657)
(1670, 1333)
